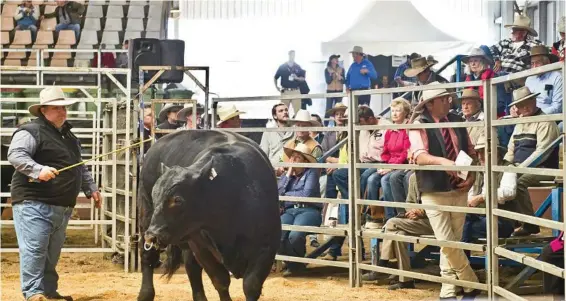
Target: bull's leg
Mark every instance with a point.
(149, 261)
(194, 271)
(256, 273)
(214, 269)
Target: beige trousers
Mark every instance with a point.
(391, 249)
(295, 102)
(449, 226)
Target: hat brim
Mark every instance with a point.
(289, 152)
(356, 52)
(34, 109)
(470, 97)
(412, 72)
(530, 96)
(421, 104)
(230, 116)
(467, 58)
(311, 122)
(532, 31)
(334, 110)
(163, 113)
(182, 114)
(552, 57)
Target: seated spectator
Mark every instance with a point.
(229, 117)
(122, 58)
(298, 182)
(26, 18)
(558, 47)
(527, 143)
(472, 111)
(272, 142)
(167, 118)
(421, 69)
(317, 136)
(69, 15)
(185, 115)
(330, 140)
(549, 85)
(479, 63)
(303, 119)
(395, 151)
(475, 225)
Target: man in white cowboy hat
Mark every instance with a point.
(508, 54)
(421, 70)
(272, 142)
(441, 147)
(186, 115)
(558, 47)
(229, 117)
(292, 75)
(360, 74)
(549, 85)
(168, 118)
(303, 119)
(528, 142)
(43, 198)
(471, 103)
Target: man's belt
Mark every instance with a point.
(289, 89)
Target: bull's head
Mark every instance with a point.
(176, 197)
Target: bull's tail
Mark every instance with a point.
(173, 261)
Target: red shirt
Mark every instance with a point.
(107, 60)
(395, 147)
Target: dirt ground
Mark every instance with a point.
(90, 277)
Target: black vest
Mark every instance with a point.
(56, 149)
(525, 146)
(439, 181)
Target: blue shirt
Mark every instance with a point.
(400, 72)
(550, 87)
(357, 81)
(305, 186)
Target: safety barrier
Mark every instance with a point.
(354, 230)
(104, 138)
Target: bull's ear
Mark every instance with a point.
(164, 168)
(205, 171)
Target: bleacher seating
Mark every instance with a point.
(104, 22)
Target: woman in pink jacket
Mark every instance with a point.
(395, 149)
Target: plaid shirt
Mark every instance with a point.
(511, 55)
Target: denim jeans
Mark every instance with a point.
(395, 188)
(331, 191)
(31, 28)
(40, 230)
(476, 227)
(293, 243)
(75, 27)
(341, 179)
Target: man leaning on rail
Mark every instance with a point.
(43, 198)
(440, 146)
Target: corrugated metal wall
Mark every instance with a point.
(239, 9)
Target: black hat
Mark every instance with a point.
(334, 56)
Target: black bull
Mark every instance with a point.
(211, 198)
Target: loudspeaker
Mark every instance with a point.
(154, 52)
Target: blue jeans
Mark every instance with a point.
(390, 212)
(293, 243)
(40, 229)
(331, 191)
(75, 27)
(476, 227)
(31, 28)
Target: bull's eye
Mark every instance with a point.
(175, 201)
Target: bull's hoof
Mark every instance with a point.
(146, 295)
(200, 296)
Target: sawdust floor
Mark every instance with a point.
(90, 277)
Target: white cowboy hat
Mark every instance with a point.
(188, 110)
(304, 116)
(477, 52)
(357, 49)
(432, 94)
(418, 65)
(51, 96)
(302, 149)
(523, 22)
(521, 95)
(166, 109)
(227, 112)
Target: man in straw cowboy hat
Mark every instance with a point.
(528, 141)
(43, 198)
(303, 119)
(328, 142)
(229, 117)
(421, 70)
(272, 142)
(360, 74)
(441, 146)
(558, 47)
(186, 115)
(292, 75)
(509, 53)
(167, 118)
(549, 85)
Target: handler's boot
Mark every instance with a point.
(57, 296)
(38, 297)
